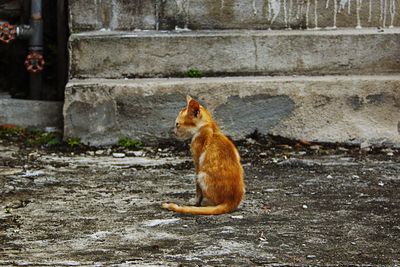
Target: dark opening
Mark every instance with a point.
(14, 78)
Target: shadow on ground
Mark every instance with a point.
(304, 206)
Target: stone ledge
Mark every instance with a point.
(349, 109)
(218, 53)
(30, 113)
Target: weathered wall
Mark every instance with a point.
(328, 109)
(229, 14)
(235, 53)
(348, 91)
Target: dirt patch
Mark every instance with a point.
(306, 204)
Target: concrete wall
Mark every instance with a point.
(227, 14)
(217, 53)
(27, 113)
(348, 91)
(350, 109)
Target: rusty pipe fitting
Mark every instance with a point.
(8, 32)
(34, 62)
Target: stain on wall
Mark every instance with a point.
(261, 112)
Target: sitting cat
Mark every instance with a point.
(219, 174)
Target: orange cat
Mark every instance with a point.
(219, 174)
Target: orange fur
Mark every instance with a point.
(219, 174)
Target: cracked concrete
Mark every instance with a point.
(303, 206)
(313, 108)
(234, 52)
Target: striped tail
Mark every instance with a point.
(212, 210)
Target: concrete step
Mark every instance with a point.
(229, 14)
(30, 113)
(350, 109)
(216, 53)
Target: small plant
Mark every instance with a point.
(49, 139)
(73, 141)
(194, 73)
(129, 143)
(9, 131)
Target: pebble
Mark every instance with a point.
(329, 176)
(99, 152)
(311, 256)
(91, 153)
(381, 184)
(315, 147)
(237, 217)
(343, 149)
(305, 206)
(135, 153)
(355, 176)
(118, 155)
(365, 145)
(250, 141)
(390, 154)
(387, 150)
(263, 154)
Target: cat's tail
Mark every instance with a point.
(212, 210)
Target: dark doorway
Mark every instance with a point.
(14, 77)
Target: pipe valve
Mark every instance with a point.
(34, 62)
(8, 32)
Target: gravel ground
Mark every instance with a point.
(304, 205)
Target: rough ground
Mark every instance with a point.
(304, 206)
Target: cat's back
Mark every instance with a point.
(223, 151)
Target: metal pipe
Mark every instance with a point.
(36, 45)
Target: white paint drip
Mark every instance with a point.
(335, 11)
(316, 14)
(349, 7)
(392, 10)
(358, 9)
(302, 8)
(255, 11)
(285, 14)
(115, 11)
(183, 7)
(307, 13)
(96, 11)
(290, 14)
(370, 11)
(275, 9)
(269, 10)
(298, 9)
(342, 5)
(384, 14)
(157, 26)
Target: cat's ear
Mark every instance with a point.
(193, 106)
(188, 99)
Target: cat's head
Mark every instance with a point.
(190, 119)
